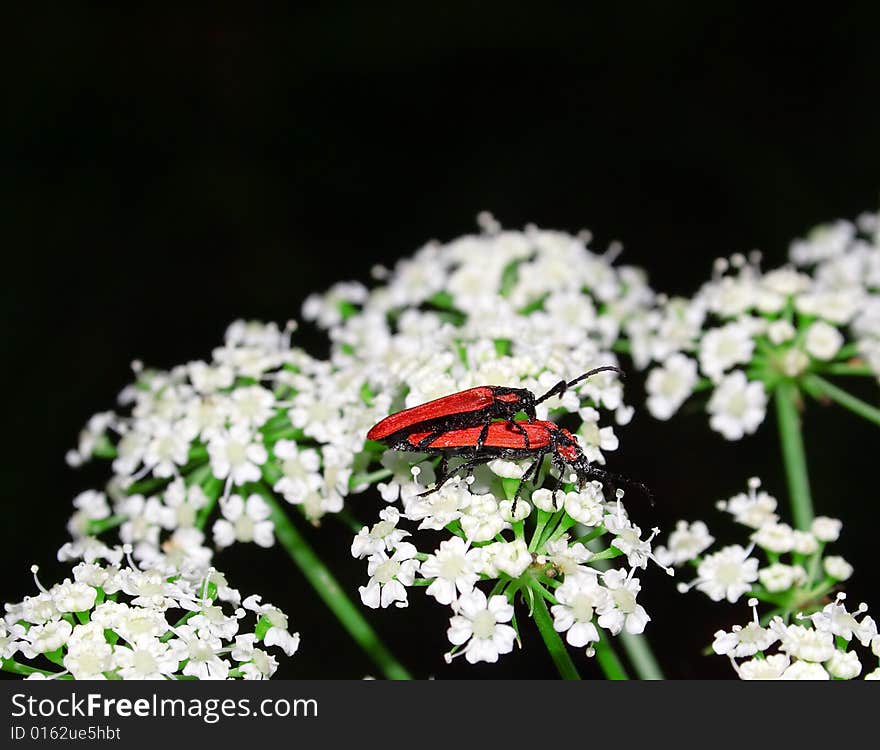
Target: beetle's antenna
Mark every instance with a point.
(561, 387)
(606, 368)
(586, 470)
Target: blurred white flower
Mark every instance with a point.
(669, 385)
(737, 406)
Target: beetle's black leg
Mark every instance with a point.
(447, 475)
(525, 477)
(428, 439)
(522, 431)
(482, 437)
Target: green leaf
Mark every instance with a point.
(533, 306)
(347, 309)
(56, 656)
(509, 277)
(442, 300)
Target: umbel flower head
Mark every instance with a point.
(521, 309)
(112, 621)
(787, 571)
(201, 452)
(749, 332)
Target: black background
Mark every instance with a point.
(173, 170)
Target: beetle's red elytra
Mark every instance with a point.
(473, 407)
(534, 440)
(480, 425)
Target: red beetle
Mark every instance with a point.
(502, 440)
(474, 407)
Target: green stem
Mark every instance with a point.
(330, 591)
(637, 647)
(842, 368)
(640, 656)
(608, 660)
(558, 652)
(543, 517)
(10, 665)
(794, 455)
(816, 385)
(358, 480)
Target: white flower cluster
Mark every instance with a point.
(794, 577)
(532, 553)
(748, 330)
(794, 573)
(259, 418)
(821, 649)
(514, 308)
(112, 622)
(845, 262)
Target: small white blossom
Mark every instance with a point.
(781, 577)
(823, 341)
(148, 658)
(237, 454)
(244, 521)
(804, 670)
(754, 509)
(454, 568)
(803, 643)
(838, 568)
(722, 348)
(745, 641)
(844, 665)
(686, 543)
(826, 529)
(49, 637)
(737, 406)
(771, 668)
(384, 536)
(727, 574)
(775, 537)
(624, 612)
(587, 505)
(389, 577)
(479, 626)
(669, 385)
(580, 598)
(511, 558)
